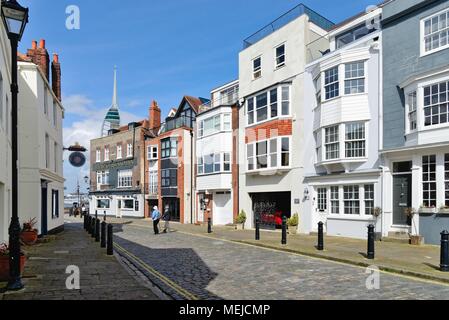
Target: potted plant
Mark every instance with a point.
(4, 262)
(240, 221)
(415, 239)
(427, 209)
(293, 223)
(29, 234)
(444, 209)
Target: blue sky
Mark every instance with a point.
(163, 49)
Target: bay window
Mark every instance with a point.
(214, 163)
(436, 100)
(355, 140)
(429, 181)
(332, 143)
(250, 156)
(268, 105)
(355, 77)
(200, 165)
(169, 148)
(285, 152)
(412, 105)
(227, 122)
(226, 162)
(331, 84)
(169, 178)
(351, 199)
(261, 155)
(436, 32)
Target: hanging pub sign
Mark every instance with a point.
(77, 159)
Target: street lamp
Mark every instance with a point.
(15, 18)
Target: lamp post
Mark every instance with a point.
(15, 18)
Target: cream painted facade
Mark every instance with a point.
(5, 136)
(279, 186)
(41, 182)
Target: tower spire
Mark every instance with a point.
(114, 97)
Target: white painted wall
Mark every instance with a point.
(34, 124)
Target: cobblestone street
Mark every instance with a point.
(196, 267)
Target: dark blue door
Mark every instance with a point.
(44, 209)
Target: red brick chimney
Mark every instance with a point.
(40, 57)
(155, 116)
(56, 76)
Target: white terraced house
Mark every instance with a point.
(342, 175)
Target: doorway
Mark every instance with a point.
(44, 208)
(402, 199)
(173, 207)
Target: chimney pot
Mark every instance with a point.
(42, 44)
(55, 58)
(34, 45)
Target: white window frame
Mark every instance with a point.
(278, 153)
(335, 207)
(412, 111)
(440, 104)
(106, 154)
(351, 78)
(125, 178)
(98, 155)
(355, 140)
(153, 153)
(227, 122)
(277, 57)
(322, 199)
(129, 150)
(429, 200)
(280, 102)
(439, 32)
(330, 84)
(328, 143)
(257, 71)
(354, 191)
(119, 151)
(153, 181)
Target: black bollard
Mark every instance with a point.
(110, 245)
(104, 216)
(209, 225)
(89, 224)
(320, 246)
(97, 230)
(84, 222)
(93, 227)
(444, 261)
(103, 235)
(96, 214)
(257, 229)
(284, 230)
(371, 237)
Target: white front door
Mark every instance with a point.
(222, 209)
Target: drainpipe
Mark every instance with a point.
(191, 176)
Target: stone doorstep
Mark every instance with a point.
(415, 274)
(396, 240)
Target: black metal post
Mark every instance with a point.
(104, 216)
(96, 214)
(209, 225)
(371, 237)
(97, 230)
(444, 261)
(284, 230)
(110, 244)
(15, 281)
(92, 227)
(320, 236)
(257, 229)
(103, 235)
(89, 225)
(84, 222)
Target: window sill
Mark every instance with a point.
(212, 174)
(351, 217)
(268, 172)
(344, 160)
(425, 54)
(214, 134)
(280, 67)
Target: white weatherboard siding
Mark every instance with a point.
(326, 175)
(5, 136)
(39, 160)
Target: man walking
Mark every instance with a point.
(156, 216)
(166, 218)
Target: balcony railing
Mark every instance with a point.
(176, 123)
(230, 98)
(291, 15)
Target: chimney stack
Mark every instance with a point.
(155, 116)
(40, 57)
(56, 76)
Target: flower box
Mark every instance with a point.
(427, 210)
(444, 211)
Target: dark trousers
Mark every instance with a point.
(155, 226)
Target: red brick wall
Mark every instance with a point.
(271, 129)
